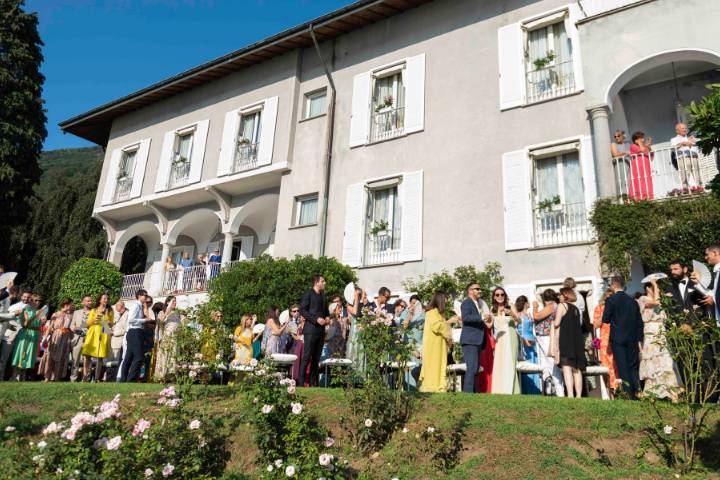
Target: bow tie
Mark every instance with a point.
(683, 282)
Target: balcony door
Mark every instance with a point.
(382, 226)
(560, 209)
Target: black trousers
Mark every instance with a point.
(471, 355)
(627, 359)
(134, 356)
(311, 355)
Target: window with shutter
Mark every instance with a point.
(382, 226)
(248, 137)
(388, 107)
(125, 174)
(516, 200)
(180, 163)
(549, 62)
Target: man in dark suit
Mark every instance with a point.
(472, 311)
(682, 290)
(314, 309)
(626, 334)
(383, 301)
(712, 301)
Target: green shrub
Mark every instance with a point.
(454, 283)
(254, 285)
(90, 276)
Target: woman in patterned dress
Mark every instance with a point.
(606, 356)
(54, 364)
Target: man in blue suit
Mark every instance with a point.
(473, 312)
(622, 312)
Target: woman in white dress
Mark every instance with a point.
(169, 320)
(504, 376)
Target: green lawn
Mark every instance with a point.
(524, 437)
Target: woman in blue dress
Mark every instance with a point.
(530, 382)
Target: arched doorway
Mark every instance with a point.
(651, 97)
(134, 256)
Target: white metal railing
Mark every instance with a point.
(123, 188)
(387, 124)
(665, 172)
(179, 173)
(245, 157)
(190, 279)
(550, 81)
(382, 249)
(561, 224)
(131, 284)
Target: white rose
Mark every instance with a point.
(9, 428)
(42, 444)
(278, 462)
(195, 424)
(325, 459)
(368, 422)
(296, 408)
(290, 471)
(431, 429)
(668, 429)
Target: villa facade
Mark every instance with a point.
(406, 136)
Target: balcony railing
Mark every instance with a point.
(550, 82)
(179, 173)
(123, 188)
(666, 172)
(383, 248)
(245, 157)
(561, 224)
(131, 284)
(387, 124)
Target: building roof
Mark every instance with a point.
(95, 124)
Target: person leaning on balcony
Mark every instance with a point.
(79, 328)
(641, 182)
(97, 342)
(617, 147)
(685, 156)
(133, 357)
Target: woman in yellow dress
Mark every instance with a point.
(243, 338)
(97, 341)
(436, 341)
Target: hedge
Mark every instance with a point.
(252, 286)
(90, 276)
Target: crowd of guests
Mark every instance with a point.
(637, 183)
(96, 341)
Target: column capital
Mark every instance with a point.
(600, 110)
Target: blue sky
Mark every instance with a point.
(99, 50)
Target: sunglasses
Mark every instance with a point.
(475, 288)
(499, 294)
(294, 311)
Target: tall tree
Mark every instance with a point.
(22, 119)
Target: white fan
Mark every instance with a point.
(349, 293)
(653, 276)
(456, 308)
(705, 277)
(284, 317)
(6, 278)
(259, 328)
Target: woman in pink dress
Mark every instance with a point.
(641, 182)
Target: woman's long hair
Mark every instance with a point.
(438, 300)
(495, 304)
(99, 297)
(272, 312)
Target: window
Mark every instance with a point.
(549, 62)
(560, 210)
(382, 228)
(248, 138)
(182, 151)
(125, 175)
(306, 210)
(315, 103)
(388, 106)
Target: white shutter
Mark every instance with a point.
(197, 156)
(414, 93)
(111, 179)
(246, 247)
(141, 158)
(572, 32)
(587, 166)
(511, 66)
(411, 207)
(360, 120)
(516, 200)
(228, 142)
(163, 171)
(354, 225)
(268, 118)
(517, 289)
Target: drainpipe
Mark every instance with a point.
(328, 144)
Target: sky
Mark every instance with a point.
(99, 50)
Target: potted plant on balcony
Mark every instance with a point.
(385, 105)
(179, 160)
(543, 62)
(243, 141)
(379, 228)
(549, 204)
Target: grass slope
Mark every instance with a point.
(508, 436)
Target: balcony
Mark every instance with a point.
(387, 124)
(561, 224)
(181, 281)
(382, 248)
(666, 172)
(550, 82)
(123, 189)
(245, 157)
(179, 172)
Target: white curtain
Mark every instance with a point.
(547, 178)
(128, 162)
(185, 144)
(572, 179)
(317, 105)
(308, 211)
(248, 127)
(391, 85)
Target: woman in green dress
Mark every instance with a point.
(28, 339)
